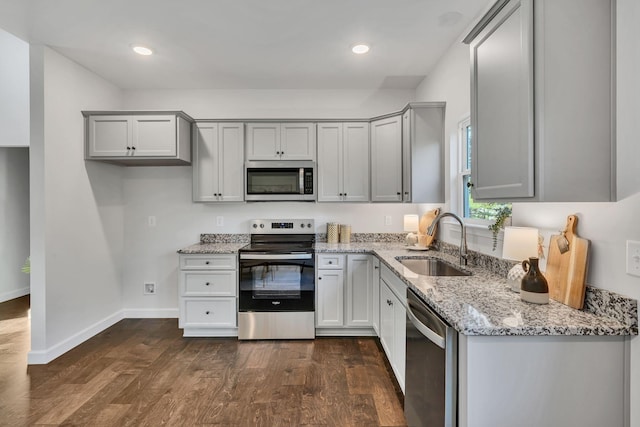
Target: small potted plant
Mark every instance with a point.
(503, 214)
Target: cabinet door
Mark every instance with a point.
(231, 166)
(359, 291)
(355, 162)
(330, 298)
(375, 285)
(205, 162)
(263, 141)
(502, 105)
(154, 136)
(297, 141)
(109, 136)
(330, 162)
(387, 319)
(386, 160)
(399, 341)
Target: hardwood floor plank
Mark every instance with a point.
(143, 372)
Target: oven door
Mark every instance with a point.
(276, 282)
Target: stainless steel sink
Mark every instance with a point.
(432, 267)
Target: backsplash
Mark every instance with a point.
(224, 238)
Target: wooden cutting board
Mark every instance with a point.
(567, 272)
(425, 221)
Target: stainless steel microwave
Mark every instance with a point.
(280, 181)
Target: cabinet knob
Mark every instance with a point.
(406, 193)
(469, 184)
(207, 284)
(376, 267)
(399, 193)
(206, 262)
(330, 262)
(389, 302)
(282, 153)
(345, 194)
(340, 194)
(133, 148)
(319, 278)
(128, 148)
(278, 153)
(207, 312)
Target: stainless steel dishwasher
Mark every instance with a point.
(432, 365)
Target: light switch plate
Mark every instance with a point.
(220, 221)
(387, 220)
(633, 258)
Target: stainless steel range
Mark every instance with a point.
(277, 281)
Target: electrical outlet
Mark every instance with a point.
(387, 220)
(633, 257)
(220, 221)
(151, 221)
(149, 288)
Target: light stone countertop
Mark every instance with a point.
(483, 304)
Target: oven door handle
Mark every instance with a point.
(301, 255)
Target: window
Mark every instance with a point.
(470, 208)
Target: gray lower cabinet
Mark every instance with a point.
(344, 294)
(154, 138)
(208, 295)
(393, 322)
(218, 162)
(541, 102)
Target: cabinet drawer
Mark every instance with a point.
(396, 285)
(330, 261)
(210, 312)
(215, 283)
(208, 262)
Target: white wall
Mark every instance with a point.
(150, 253)
(14, 222)
(607, 225)
(14, 91)
(76, 210)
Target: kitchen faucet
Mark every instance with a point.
(463, 238)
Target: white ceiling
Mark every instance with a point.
(247, 44)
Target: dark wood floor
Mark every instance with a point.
(142, 372)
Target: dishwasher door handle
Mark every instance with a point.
(424, 330)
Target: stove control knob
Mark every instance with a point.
(261, 225)
(301, 225)
(255, 225)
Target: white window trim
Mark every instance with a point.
(458, 192)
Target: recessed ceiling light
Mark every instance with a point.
(359, 49)
(142, 50)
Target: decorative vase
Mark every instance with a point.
(534, 287)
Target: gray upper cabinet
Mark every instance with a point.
(343, 162)
(541, 102)
(280, 141)
(138, 138)
(218, 162)
(423, 153)
(386, 159)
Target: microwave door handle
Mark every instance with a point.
(301, 180)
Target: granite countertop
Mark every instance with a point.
(483, 304)
(213, 248)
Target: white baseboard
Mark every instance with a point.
(150, 313)
(16, 293)
(42, 357)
